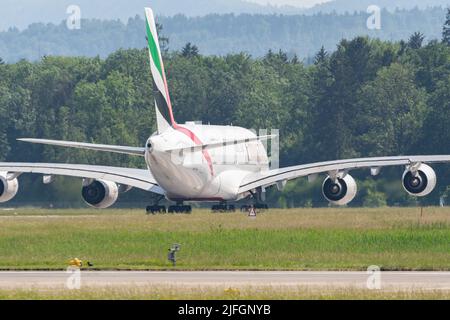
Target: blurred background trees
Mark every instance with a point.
(366, 98)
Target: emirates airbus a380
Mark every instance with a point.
(205, 163)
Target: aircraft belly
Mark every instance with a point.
(182, 182)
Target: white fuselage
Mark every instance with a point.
(211, 174)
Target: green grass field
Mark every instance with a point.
(303, 239)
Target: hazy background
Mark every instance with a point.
(21, 13)
(36, 28)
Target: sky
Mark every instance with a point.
(298, 3)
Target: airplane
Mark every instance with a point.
(193, 162)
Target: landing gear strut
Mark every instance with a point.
(258, 198)
(154, 209)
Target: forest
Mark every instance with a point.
(216, 34)
(366, 98)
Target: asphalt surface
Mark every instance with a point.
(400, 280)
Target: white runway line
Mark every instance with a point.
(391, 280)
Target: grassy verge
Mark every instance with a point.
(304, 239)
(210, 293)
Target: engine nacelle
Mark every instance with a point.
(340, 192)
(420, 182)
(100, 194)
(8, 188)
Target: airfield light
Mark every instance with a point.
(172, 253)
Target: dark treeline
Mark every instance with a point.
(367, 98)
(218, 34)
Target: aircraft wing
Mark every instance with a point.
(138, 178)
(272, 177)
(135, 151)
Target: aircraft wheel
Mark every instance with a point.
(173, 209)
(155, 210)
(162, 209)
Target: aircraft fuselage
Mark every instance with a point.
(209, 174)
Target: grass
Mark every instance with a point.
(303, 239)
(221, 293)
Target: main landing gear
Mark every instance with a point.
(172, 209)
(156, 209)
(178, 208)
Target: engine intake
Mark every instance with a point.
(340, 191)
(100, 194)
(8, 188)
(419, 182)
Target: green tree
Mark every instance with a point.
(189, 84)
(320, 109)
(368, 97)
(321, 56)
(189, 50)
(446, 29)
(4, 145)
(350, 68)
(416, 40)
(393, 112)
(437, 132)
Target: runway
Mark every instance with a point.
(386, 280)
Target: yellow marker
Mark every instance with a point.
(76, 263)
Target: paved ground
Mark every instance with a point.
(398, 280)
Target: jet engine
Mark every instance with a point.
(8, 188)
(339, 191)
(100, 194)
(419, 181)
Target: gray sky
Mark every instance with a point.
(299, 3)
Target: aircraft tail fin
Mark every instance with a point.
(163, 105)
